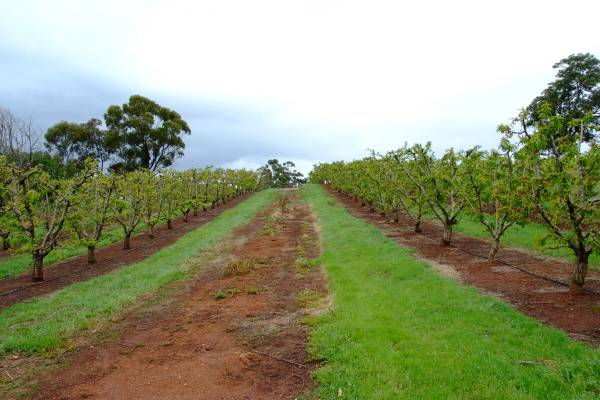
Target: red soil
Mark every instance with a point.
(549, 302)
(193, 346)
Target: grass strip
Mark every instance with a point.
(399, 330)
(45, 323)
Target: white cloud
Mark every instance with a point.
(317, 78)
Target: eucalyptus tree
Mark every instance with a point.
(573, 95)
(128, 205)
(41, 205)
(497, 194)
(562, 174)
(92, 212)
(144, 134)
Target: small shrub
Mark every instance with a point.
(307, 296)
(219, 295)
(238, 267)
(304, 264)
(252, 290)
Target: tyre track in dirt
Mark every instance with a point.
(109, 258)
(547, 301)
(194, 346)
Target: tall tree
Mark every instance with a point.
(19, 140)
(144, 134)
(574, 94)
(281, 175)
(74, 143)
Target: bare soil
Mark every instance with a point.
(109, 258)
(549, 302)
(250, 344)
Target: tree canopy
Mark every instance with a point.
(144, 134)
(276, 174)
(574, 93)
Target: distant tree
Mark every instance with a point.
(281, 175)
(19, 140)
(144, 134)
(74, 143)
(574, 94)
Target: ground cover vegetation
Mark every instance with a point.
(401, 330)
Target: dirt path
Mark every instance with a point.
(551, 303)
(109, 258)
(248, 345)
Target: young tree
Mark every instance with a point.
(42, 205)
(153, 200)
(562, 173)
(7, 220)
(170, 192)
(497, 195)
(128, 205)
(91, 213)
(410, 185)
(144, 134)
(440, 182)
(187, 189)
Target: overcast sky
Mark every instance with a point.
(305, 80)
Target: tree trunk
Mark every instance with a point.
(418, 228)
(493, 250)
(204, 208)
(91, 254)
(396, 218)
(151, 231)
(127, 241)
(212, 206)
(37, 274)
(382, 214)
(185, 217)
(447, 237)
(5, 245)
(195, 212)
(169, 224)
(579, 272)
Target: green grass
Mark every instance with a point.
(45, 323)
(528, 237)
(399, 330)
(18, 264)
